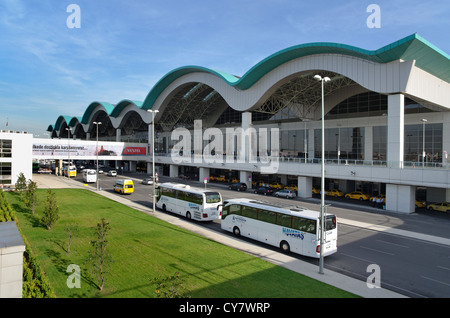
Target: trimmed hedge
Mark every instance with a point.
(35, 283)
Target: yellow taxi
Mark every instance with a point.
(443, 206)
(334, 193)
(292, 187)
(420, 204)
(276, 185)
(357, 195)
(315, 191)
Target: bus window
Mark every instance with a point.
(284, 220)
(212, 197)
(250, 212)
(268, 216)
(305, 225)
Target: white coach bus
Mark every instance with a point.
(292, 229)
(89, 175)
(193, 203)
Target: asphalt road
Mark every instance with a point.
(408, 265)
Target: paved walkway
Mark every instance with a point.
(329, 277)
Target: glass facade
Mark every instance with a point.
(5, 172)
(379, 143)
(414, 139)
(340, 143)
(293, 143)
(5, 148)
(413, 143)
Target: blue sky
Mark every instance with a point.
(124, 47)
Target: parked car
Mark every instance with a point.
(276, 185)
(147, 181)
(112, 173)
(238, 186)
(443, 206)
(315, 191)
(291, 187)
(334, 193)
(357, 195)
(420, 203)
(264, 190)
(290, 194)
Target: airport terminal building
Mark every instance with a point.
(386, 112)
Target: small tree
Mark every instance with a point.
(30, 196)
(98, 257)
(6, 212)
(71, 231)
(21, 183)
(51, 211)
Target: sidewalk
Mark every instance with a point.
(329, 277)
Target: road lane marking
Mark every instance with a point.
(436, 281)
(375, 250)
(390, 230)
(399, 245)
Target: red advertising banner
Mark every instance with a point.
(130, 151)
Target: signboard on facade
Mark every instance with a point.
(54, 148)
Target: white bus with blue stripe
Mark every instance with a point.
(293, 229)
(193, 203)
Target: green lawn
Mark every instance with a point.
(144, 247)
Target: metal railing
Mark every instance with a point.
(297, 160)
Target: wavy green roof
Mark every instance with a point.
(427, 56)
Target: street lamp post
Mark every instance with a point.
(68, 150)
(322, 192)
(423, 141)
(153, 156)
(96, 148)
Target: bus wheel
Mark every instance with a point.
(236, 231)
(164, 208)
(285, 246)
(188, 215)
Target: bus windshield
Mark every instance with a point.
(212, 197)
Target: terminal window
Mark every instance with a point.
(5, 172)
(5, 148)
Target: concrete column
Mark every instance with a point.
(246, 137)
(88, 136)
(203, 173)
(304, 185)
(118, 134)
(132, 166)
(446, 139)
(310, 143)
(245, 177)
(395, 130)
(368, 143)
(173, 171)
(11, 260)
(400, 198)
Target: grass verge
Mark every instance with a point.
(144, 248)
